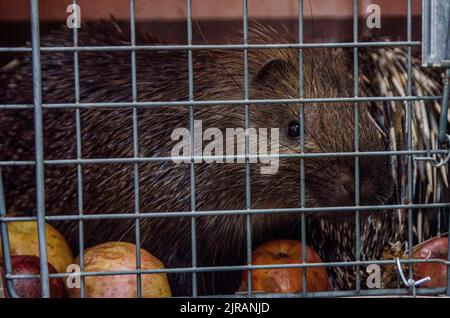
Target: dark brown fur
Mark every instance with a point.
(164, 186)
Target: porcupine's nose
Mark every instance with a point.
(345, 188)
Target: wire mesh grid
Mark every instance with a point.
(40, 163)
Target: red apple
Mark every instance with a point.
(285, 280)
(31, 288)
(436, 248)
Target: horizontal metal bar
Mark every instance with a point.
(15, 49)
(224, 158)
(169, 214)
(16, 106)
(338, 293)
(200, 269)
(263, 102)
(211, 46)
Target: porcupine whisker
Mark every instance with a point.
(218, 114)
(220, 63)
(326, 179)
(315, 139)
(260, 122)
(380, 199)
(318, 180)
(126, 232)
(237, 117)
(322, 163)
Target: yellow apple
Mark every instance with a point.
(120, 256)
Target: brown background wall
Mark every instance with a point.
(219, 20)
(18, 10)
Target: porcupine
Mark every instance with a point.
(162, 75)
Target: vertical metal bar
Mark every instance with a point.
(191, 128)
(7, 266)
(443, 121)
(356, 119)
(439, 210)
(247, 162)
(39, 146)
(302, 144)
(135, 148)
(79, 153)
(409, 144)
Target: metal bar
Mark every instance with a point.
(250, 156)
(6, 250)
(248, 220)
(302, 145)
(438, 199)
(39, 147)
(234, 268)
(356, 136)
(409, 123)
(108, 48)
(135, 149)
(79, 153)
(347, 293)
(143, 215)
(192, 129)
(262, 102)
(443, 120)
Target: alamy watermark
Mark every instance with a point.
(74, 278)
(74, 18)
(229, 148)
(374, 278)
(374, 18)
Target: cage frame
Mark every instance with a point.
(40, 163)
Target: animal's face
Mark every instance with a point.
(330, 180)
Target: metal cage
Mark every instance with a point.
(40, 163)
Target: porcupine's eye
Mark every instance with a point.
(293, 129)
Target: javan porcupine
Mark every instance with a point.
(164, 186)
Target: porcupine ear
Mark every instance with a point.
(271, 71)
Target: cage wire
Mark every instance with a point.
(404, 101)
